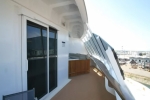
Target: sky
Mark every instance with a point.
(121, 22)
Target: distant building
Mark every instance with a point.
(144, 62)
(134, 53)
(140, 59)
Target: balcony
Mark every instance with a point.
(89, 86)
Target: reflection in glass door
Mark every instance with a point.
(52, 59)
(37, 59)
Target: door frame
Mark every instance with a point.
(24, 61)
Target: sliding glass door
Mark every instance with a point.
(37, 76)
(52, 59)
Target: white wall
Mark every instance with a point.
(10, 49)
(76, 46)
(10, 46)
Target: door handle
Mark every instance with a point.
(26, 64)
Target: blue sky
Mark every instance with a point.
(121, 22)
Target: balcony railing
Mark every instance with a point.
(106, 59)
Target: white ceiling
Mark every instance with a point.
(67, 8)
(69, 13)
(71, 17)
(54, 1)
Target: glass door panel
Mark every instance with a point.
(52, 59)
(52, 43)
(52, 73)
(37, 68)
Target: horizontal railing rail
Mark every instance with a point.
(121, 90)
(106, 59)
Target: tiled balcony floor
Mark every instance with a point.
(89, 86)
